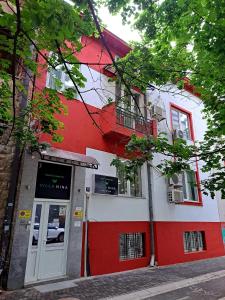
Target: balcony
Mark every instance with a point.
(119, 123)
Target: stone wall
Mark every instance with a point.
(6, 160)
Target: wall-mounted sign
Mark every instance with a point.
(78, 214)
(25, 214)
(106, 185)
(53, 181)
(77, 223)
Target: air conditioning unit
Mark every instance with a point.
(176, 181)
(175, 195)
(157, 113)
(178, 134)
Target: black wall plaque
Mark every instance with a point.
(53, 181)
(106, 185)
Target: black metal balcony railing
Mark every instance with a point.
(133, 121)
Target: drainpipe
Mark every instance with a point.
(86, 256)
(151, 216)
(150, 202)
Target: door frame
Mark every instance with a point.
(39, 248)
(68, 223)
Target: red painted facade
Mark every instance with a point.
(169, 241)
(104, 246)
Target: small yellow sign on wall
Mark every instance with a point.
(25, 214)
(78, 214)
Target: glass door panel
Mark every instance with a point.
(36, 224)
(56, 224)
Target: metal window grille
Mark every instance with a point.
(131, 245)
(194, 241)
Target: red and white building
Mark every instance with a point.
(118, 236)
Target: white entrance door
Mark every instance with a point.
(47, 251)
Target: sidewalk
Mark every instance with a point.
(203, 279)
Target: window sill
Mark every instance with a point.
(119, 195)
(190, 202)
(132, 259)
(195, 252)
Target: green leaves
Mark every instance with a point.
(198, 28)
(41, 23)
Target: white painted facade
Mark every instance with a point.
(123, 208)
(110, 207)
(97, 88)
(164, 211)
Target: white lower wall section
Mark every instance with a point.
(114, 208)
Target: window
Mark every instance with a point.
(189, 186)
(129, 188)
(57, 75)
(181, 121)
(194, 241)
(131, 245)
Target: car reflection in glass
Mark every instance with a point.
(54, 235)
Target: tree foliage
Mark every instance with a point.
(25, 31)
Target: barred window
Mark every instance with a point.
(131, 245)
(194, 241)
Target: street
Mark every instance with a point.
(197, 280)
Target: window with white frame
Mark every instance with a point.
(181, 121)
(189, 185)
(54, 76)
(130, 188)
(194, 241)
(131, 245)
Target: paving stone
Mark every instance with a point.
(109, 286)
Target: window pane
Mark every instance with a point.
(53, 76)
(135, 185)
(122, 182)
(36, 228)
(180, 121)
(59, 74)
(192, 190)
(184, 185)
(56, 224)
(136, 104)
(118, 91)
(175, 119)
(184, 125)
